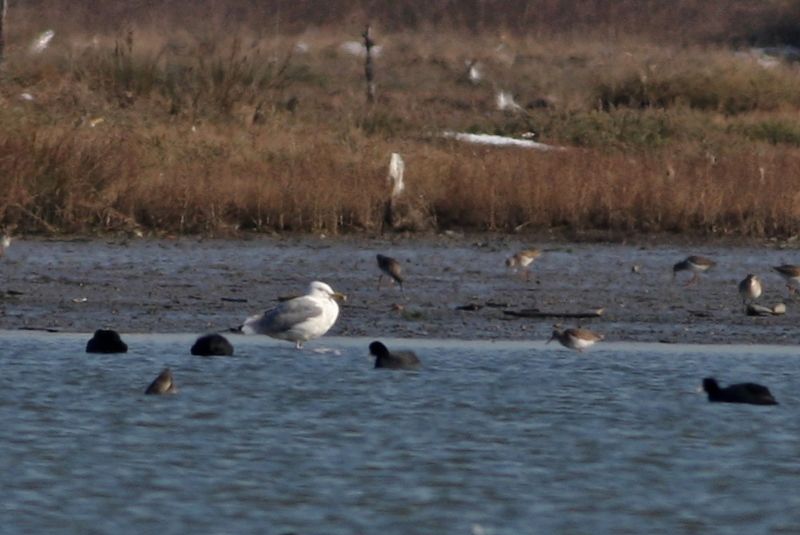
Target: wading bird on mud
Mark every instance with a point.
(791, 274)
(392, 269)
(750, 288)
(522, 261)
(694, 264)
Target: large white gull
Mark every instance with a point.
(299, 319)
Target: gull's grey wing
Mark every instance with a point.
(288, 314)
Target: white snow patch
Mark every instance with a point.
(499, 141)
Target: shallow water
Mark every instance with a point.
(494, 438)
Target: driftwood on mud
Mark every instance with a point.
(43, 329)
(472, 307)
(535, 313)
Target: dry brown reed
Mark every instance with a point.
(216, 132)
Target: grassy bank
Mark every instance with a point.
(178, 130)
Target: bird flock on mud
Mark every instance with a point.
(310, 316)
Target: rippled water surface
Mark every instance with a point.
(492, 438)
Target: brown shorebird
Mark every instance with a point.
(395, 360)
(522, 261)
(392, 269)
(163, 384)
(750, 288)
(695, 264)
(791, 274)
(751, 393)
(577, 339)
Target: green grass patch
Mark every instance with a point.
(774, 131)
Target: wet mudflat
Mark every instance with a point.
(196, 285)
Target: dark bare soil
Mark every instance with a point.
(197, 285)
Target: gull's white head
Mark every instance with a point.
(321, 289)
(6, 242)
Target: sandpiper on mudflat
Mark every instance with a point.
(791, 274)
(750, 288)
(391, 268)
(696, 264)
(523, 261)
(575, 338)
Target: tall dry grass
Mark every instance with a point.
(217, 131)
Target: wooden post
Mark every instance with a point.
(368, 70)
(3, 10)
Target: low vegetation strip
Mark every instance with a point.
(143, 128)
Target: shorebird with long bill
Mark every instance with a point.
(391, 268)
(522, 261)
(694, 264)
(791, 274)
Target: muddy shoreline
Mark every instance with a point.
(202, 285)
